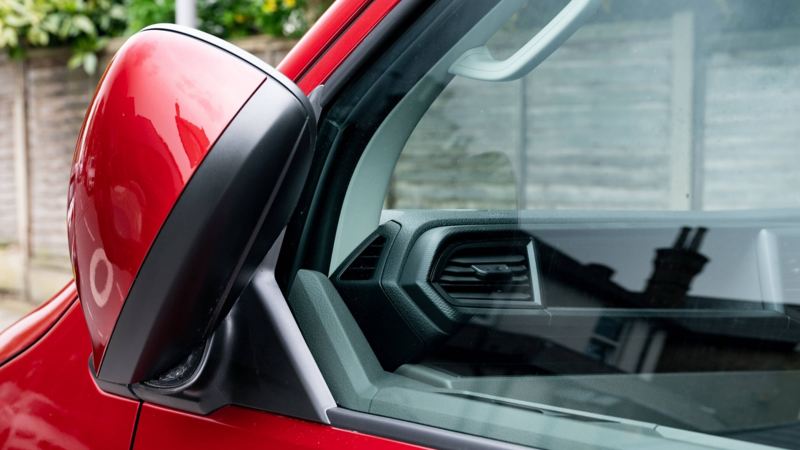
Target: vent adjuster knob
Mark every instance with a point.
(493, 272)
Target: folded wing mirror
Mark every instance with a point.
(191, 159)
(479, 64)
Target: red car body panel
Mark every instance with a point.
(335, 20)
(334, 55)
(48, 396)
(233, 427)
(29, 329)
(125, 180)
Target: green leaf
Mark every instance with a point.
(84, 24)
(104, 23)
(100, 44)
(8, 38)
(15, 21)
(51, 24)
(65, 29)
(90, 63)
(37, 36)
(75, 61)
(117, 12)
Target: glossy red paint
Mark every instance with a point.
(325, 31)
(48, 398)
(160, 106)
(234, 427)
(338, 51)
(27, 330)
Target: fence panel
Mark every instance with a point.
(8, 207)
(56, 100)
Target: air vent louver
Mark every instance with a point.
(365, 264)
(487, 272)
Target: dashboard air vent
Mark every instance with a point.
(499, 271)
(364, 265)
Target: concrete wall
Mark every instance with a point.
(8, 210)
(752, 136)
(651, 114)
(56, 99)
(53, 100)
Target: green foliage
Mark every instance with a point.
(227, 18)
(142, 13)
(86, 25)
(236, 18)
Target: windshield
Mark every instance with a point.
(608, 235)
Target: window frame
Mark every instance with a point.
(350, 115)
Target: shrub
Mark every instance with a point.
(227, 18)
(86, 25)
(83, 25)
(236, 18)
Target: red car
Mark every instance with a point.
(439, 224)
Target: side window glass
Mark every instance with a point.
(602, 252)
(672, 109)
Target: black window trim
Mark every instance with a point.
(301, 245)
(414, 433)
(310, 232)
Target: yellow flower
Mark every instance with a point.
(289, 4)
(269, 6)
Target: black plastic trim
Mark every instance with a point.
(218, 231)
(245, 364)
(355, 102)
(387, 232)
(135, 426)
(388, 327)
(122, 390)
(433, 248)
(413, 433)
(385, 31)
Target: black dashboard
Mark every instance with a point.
(510, 292)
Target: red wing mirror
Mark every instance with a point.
(191, 158)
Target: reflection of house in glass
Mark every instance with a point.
(684, 316)
(597, 342)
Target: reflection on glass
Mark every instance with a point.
(635, 324)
